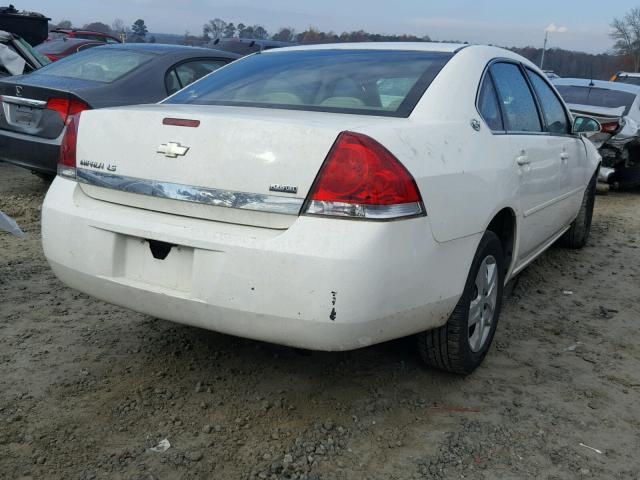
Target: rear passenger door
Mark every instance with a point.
(535, 156)
(573, 161)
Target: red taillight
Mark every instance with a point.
(53, 58)
(611, 127)
(360, 178)
(66, 107)
(67, 161)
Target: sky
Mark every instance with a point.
(499, 22)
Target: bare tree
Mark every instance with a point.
(118, 26)
(230, 30)
(64, 24)
(626, 33)
(246, 32)
(214, 28)
(98, 27)
(260, 32)
(285, 35)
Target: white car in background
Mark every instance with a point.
(327, 197)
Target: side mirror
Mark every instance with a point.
(586, 126)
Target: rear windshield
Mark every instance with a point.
(629, 80)
(98, 64)
(599, 97)
(57, 35)
(240, 48)
(368, 82)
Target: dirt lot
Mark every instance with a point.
(86, 388)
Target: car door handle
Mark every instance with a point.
(523, 160)
(564, 156)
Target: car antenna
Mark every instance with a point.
(591, 84)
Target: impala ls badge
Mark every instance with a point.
(172, 149)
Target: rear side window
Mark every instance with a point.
(518, 105)
(97, 64)
(489, 106)
(554, 113)
(366, 82)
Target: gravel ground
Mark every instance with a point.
(87, 389)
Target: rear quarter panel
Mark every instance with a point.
(465, 176)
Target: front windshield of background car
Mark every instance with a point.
(366, 82)
(99, 64)
(599, 97)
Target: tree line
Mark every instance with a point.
(625, 32)
(135, 33)
(218, 28)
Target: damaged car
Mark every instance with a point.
(328, 197)
(616, 106)
(17, 56)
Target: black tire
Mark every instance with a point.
(449, 348)
(578, 234)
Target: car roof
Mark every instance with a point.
(585, 82)
(69, 41)
(161, 48)
(256, 41)
(416, 46)
(78, 30)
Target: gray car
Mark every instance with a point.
(34, 108)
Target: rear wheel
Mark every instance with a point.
(461, 344)
(577, 235)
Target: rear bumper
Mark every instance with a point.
(322, 284)
(37, 154)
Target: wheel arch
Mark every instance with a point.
(504, 224)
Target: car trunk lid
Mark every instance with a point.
(260, 162)
(33, 109)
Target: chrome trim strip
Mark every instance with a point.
(29, 102)
(553, 201)
(208, 196)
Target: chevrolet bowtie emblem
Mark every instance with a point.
(172, 149)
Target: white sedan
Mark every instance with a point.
(327, 197)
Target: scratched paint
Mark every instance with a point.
(333, 313)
